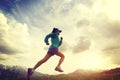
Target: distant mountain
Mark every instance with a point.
(19, 73)
(82, 72)
(111, 72)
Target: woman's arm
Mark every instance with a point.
(47, 38)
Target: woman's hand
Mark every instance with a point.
(47, 43)
(61, 38)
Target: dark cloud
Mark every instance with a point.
(112, 29)
(111, 48)
(6, 49)
(82, 45)
(106, 27)
(2, 59)
(10, 36)
(10, 6)
(18, 8)
(113, 52)
(83, 22)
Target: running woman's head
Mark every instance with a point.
(56, 30)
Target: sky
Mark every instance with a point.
(90, 31)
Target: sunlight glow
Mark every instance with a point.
(112, 9)
(92, 61)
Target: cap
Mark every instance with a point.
(55, 30)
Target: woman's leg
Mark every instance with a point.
(47, 56)
(60, 61)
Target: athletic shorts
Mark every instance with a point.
(52, 51)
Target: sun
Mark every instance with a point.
(92, 61)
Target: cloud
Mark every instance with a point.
(105, 36)
(113, 52)
(6, 49)
(4, 46)
(112, 48)
(82, 45)
(2, 59)
(87, 3)
(46, 11)
(13, 36)
(107, 27)
(83, 22)
(112, 29)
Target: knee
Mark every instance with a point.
(63, 56)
